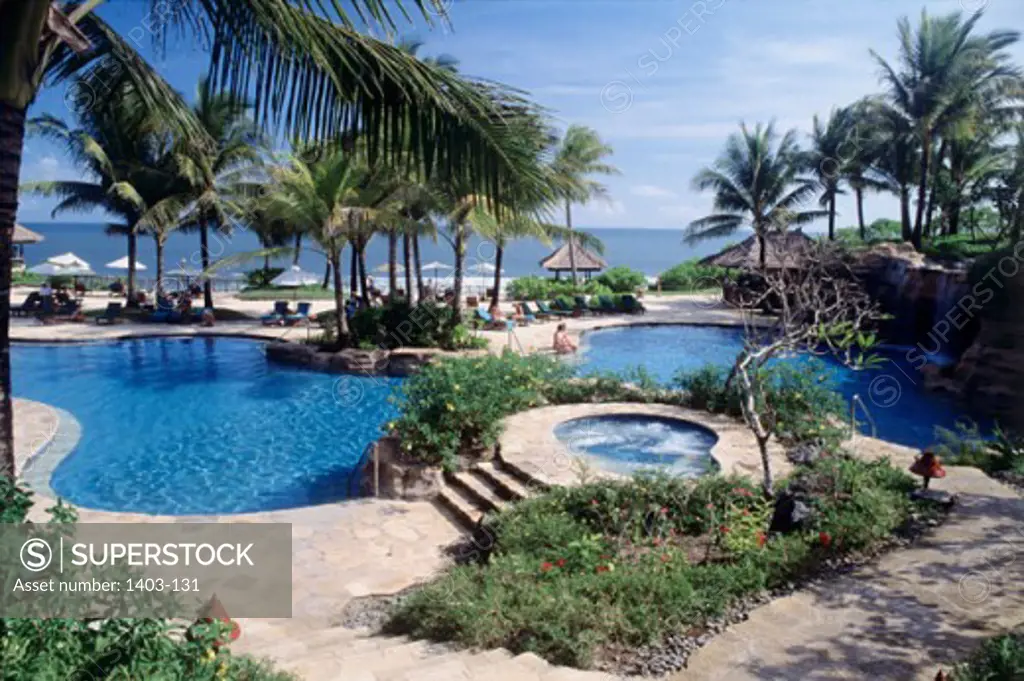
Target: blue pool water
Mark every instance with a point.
(201, 426)
(903, 411)
(627, 443)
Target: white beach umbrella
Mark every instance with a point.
(69, 260)
(122, 264)
(49, 269)
(382, 269)
(294, 277)
(484, 268)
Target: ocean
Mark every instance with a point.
(651, 251)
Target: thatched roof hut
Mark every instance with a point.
(785, 250)
(586, 261)
(24, 235)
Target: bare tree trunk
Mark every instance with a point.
(572, 240)
(499, 252)
(363, 284)
(762, 245)
(407, 261)
(457, 300)
(761, 434)
(922, 191)
(327, 275)
(204, 249)
(353, 273)
(133, 250)
(159, 243)
(392, 264)
(859, 191)
(12, 141)
(906, 229)
(934, 189)
(298, 248)
(832, 217)
(419, 266)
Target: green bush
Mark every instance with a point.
(262, 277)
(399, 325)
(692, 276)
(622, 279)
(141, 648)
(543, 288)
(999, 659)
(625, 562)
(966, 446)
(454, 407)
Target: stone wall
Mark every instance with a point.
(399, 363)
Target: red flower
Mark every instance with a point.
(664, 558)
(593, 502)
(544, 567)
(602, 568)
(663, 511)
(825, 538)
(710, 507)
(560, 562)
(723, 529)
(657, 541)
(746, 512)
(742, 492)
(761, 539)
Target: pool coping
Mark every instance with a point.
(529, 444)
(37, 470)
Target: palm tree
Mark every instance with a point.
(335, 199)
(943, 71)
(897, 161)
(827, 161)
(578, 156)
(755, 182)
(269, 48)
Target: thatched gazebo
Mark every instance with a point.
(783, 251)
(22, 235)
(586, 261)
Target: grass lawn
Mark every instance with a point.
(301, 293)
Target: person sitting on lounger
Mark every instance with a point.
(562, 343)
(496, 313)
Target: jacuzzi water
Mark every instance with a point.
(893, 394)
(201, 426)
(627, 443)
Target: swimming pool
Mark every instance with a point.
(201, 426)
(903, 411)
(627, 443)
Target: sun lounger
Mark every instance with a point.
(529, 312)
(607, 304)
(278, 315)
(110, 315)
(543, 307)
(302, 315)
(492, 323)
(632, 305)
(33, 303)
(583, 304)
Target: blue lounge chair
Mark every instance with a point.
(278, 315)
(607, 304)
(111, 314)
(163, 310)
(301, 315)
(543, 307)
(583, 304)
(32, 303)
(492, 323)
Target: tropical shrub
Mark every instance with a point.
(262, 277)
(621, 563)
(692, 276)
(138, 648)
(543, 288)
(454, 407)
(399, 325)
(998, 659)
(966, 446)
(623, 279)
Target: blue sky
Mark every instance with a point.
(663, 81)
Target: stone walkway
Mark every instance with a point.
(913, 612)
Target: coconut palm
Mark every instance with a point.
(312, 69)
(755, 182)
(897, 161)
(827, 160)
(578, 156)
(334, 198)
(943, 71)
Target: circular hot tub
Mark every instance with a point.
(627, 443)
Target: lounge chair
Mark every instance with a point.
(584, 304)
(632, 305)
(543, 307)
(278, 315)
(607, 304)
(492, 323)
(524, 316)
(564, 306)
(530, 313)
(110, 315)
(66, 312)
(33, 303)
(580, 303)
(162, 313)
(301, 315)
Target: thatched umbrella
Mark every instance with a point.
(23, 235)
(783, 251)
(586, 261)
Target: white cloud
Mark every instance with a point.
(47, 168)
(651, 191)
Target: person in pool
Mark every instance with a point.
(562, 342)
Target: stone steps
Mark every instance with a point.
(487, 487)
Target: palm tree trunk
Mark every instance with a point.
(353, 273)
(572, 240)
(392, 264)
(906, 230)
(341, 321)
(859, 191)
(364, 288)
(407, 261)
(457, 286)
(499, 252)
(922, 190)
(159, 242)
(954, 216)
(133, 250)
(298, 249)
(12, 141)
(204, 250)
(934, 189)
(832, 217)
(419, 266)
(762, 245)
(327, 275)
